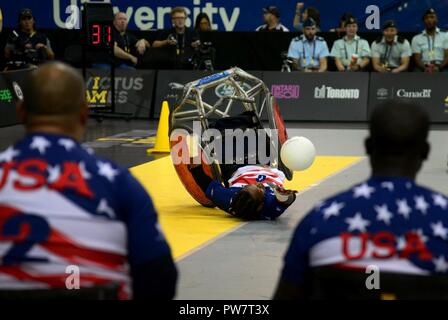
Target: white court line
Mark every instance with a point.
(222, 235)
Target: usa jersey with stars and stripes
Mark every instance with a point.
(253, 174)
(389, 222)
(61, 206)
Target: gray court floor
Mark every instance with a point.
(245, 263)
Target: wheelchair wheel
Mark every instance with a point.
(276, 122)
(183, 172)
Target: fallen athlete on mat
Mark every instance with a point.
(253, 192)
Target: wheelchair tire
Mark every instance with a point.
(276, 122)
(185, 175)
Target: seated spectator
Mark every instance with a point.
(180, 39)
(430, 48)
(309, 52)
(309, 12)
(27, 46)
(71, 203)
(391, 53)
(340, 30)
(388, 221)
(271, 18)
(127, 48)
(351, 53)
(202, 23)
(1, 20)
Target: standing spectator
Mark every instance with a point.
(71, 203)
(430, 47)
(271, 18)
(309, 12)
(391, 53)
(179, 38)
(127, 48)
(309, 52)
(27, 45)
(202, 23)
(388, 221)
(351, 53)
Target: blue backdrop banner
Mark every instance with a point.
(229, 15)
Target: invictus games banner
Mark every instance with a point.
(164, 92)
(428, 90)
(330, 96)
(10, 91)
(133, 91)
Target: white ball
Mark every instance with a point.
(298, 153)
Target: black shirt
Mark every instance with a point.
(127, 42)
(183, 50)
(18, 42)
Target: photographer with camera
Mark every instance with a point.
(179, 39)
(27, 47)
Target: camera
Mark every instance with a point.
(23, 55)
(204, 57)
(287, 62)
(172, 37)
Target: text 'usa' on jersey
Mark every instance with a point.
(76, 209)
(390, 222)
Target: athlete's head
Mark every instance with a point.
(54, 101)
(248, 202)
(398, 144)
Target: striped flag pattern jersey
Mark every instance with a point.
(60, 205)
(392, 223)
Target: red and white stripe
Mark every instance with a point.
(250, 174)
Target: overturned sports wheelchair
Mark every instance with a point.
(229, 99)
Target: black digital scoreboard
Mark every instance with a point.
(98, 26)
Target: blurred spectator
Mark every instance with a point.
(388, 221)
(340, 30)
(309, 12)
(391, 53)
(202, 23)
(74, 208)
(271, 18)
(351, 53)
(1, 20)
(27, 46)
(179, 38)
(309, 52)
(430, 48)
(127, 48)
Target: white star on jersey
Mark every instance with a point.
(403, 208)
(421, 235)
(421, 204)
(106, 170)
(357, 223)
(103, 207)
(85, 174)
(401, 243)
(333, 210)
(439, 200)
(67, 144)
(441, 264)
(9, 154)
(383, 214)
(40, 143)
(53, 173)
(388, 185)
(439, 230)
(363, 191)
